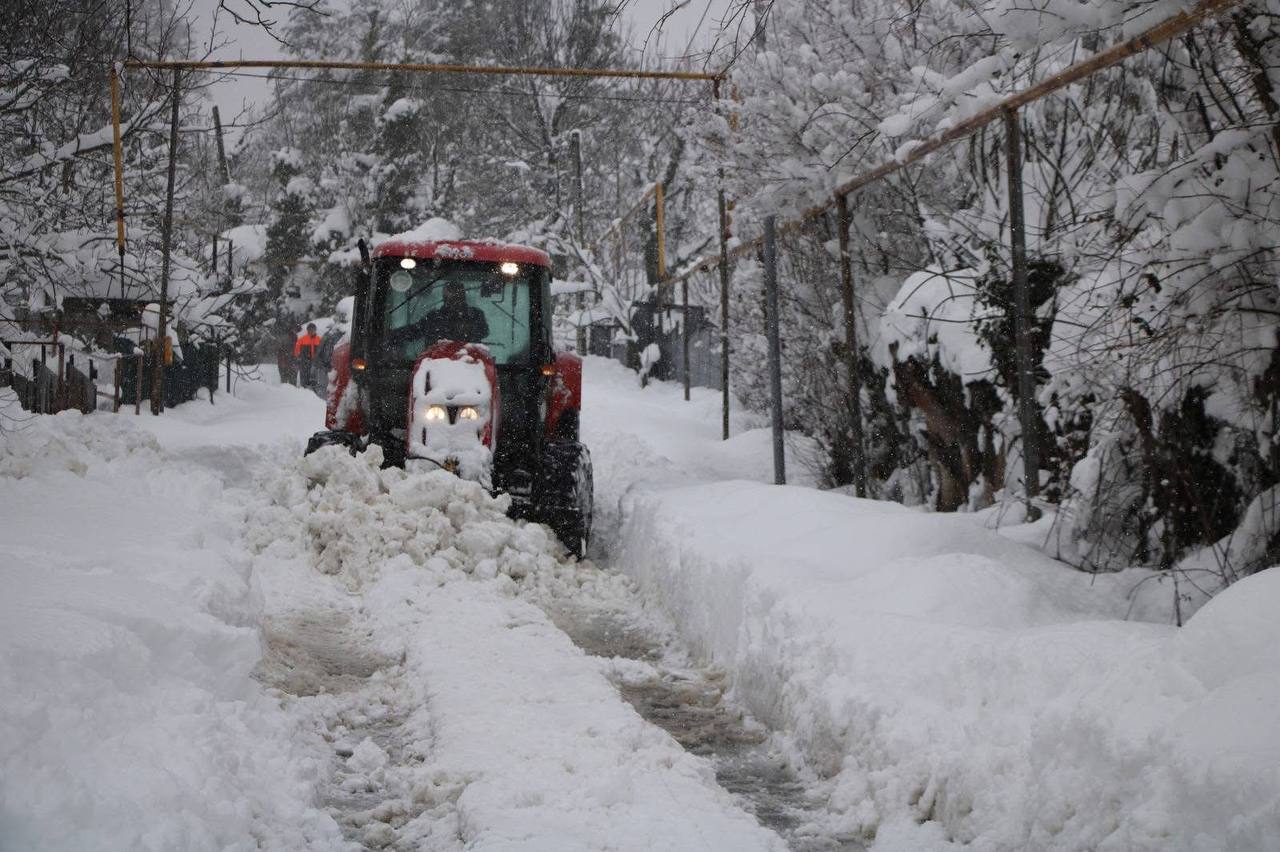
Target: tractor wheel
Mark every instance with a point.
(566, 498)
(329, 438)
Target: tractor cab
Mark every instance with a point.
(451, 361)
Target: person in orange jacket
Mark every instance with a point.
(304, 350)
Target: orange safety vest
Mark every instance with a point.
(311, 341)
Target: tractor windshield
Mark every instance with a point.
(453, 300)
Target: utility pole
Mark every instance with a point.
(761, 11)
(118, 158)
(1027, 415)
(575, 153)
(775, 347)
(162, 331)
(223, 169)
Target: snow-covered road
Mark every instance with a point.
(213, 643)
(209, 642)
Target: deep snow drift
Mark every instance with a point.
(945, 685)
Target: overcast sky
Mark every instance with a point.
(691, 28)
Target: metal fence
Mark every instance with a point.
(47, 378)
(794, 253)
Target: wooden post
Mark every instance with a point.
(1027, 414)
(223, 170)
(117, 380)
(775, 347)
(844, 222)
(162, 331)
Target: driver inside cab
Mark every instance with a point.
(453, 320)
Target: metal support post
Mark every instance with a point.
(1027, 414)
(844, 223)
(137, 385)
(660, 225)
(162, 330)
(684, 332)
(724, 315)
(575, 153)
(60, 387)
(775, 347)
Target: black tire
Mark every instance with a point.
(329, 438)
(565, 501)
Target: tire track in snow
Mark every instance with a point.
(363, 699)
(606, 617)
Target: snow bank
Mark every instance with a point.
(956, 687)
(947, 685)
(510, 734)
(127, 638)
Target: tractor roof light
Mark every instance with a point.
(509, 268)
(407, 263)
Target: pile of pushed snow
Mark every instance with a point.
(483, 726)
(353, 516)
(955, 687)
(129, 718)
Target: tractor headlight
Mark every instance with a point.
(468, 412)
(436, 414)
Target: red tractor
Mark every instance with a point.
(451, 360)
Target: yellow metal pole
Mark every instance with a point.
(432, 68)
(119, 166)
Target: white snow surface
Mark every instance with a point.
(944, 685)
(208, 641)
(211, 642)
(129, 718)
